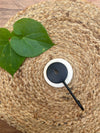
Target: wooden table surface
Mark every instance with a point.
(9, 8)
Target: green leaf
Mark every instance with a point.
(4, 36)
(28, 39)
(31, 38)
(9, 60)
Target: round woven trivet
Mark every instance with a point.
(27, 102)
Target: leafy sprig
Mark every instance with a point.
(29, 38)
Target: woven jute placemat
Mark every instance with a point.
(27, 102)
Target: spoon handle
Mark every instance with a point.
(76, 100)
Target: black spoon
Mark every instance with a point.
(57, 73)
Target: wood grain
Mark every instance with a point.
(96, 2)
(9, 8)
(5, 128)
